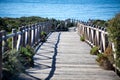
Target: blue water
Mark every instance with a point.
(61, 9)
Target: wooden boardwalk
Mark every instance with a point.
(65, 57)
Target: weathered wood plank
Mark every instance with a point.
(65, 57)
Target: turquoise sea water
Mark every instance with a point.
(60, 9)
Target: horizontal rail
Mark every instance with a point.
(26, 35)
(96, 36)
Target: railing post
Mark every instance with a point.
(37, 36)
(39, 32)
(106, 39)
(0, 55)
(18, 42)
(97, 36)
(46, 27)
(32, 35)
(14, 39)
(23, 36)
(94, 32)
(21, 41)
(102, 40)
(4, 48)
(29, 36)
(92, 36)
(26, 35)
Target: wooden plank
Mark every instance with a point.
(65, 57)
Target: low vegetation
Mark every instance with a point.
(106, 59)
(109, 54)
(113, 28)
(27, 53)
(43, 36)
(104, 62)
(8, 24)
(82, 38)
(94, 50)
(15, 62)
(11, 64)
(114, 34)
(101, 23)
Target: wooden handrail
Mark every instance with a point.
(26, 35)
(96, 36)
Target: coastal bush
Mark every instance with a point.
(11, 64)
(3, 25)
(8, 23)
(43, 36)
(82, 38)
(7, 44)
(71, 24)
(9, 41)
(94, 50)
(109, 54)
(114, 34)
(15, 62)
(102, 23)
(118, 62)
(26, 53)
(104, 62)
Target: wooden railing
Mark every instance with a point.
(26, 35)
(96, 36)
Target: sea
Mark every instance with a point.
(61, 9)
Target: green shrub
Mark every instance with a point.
(43, 33)
(104, 62)
(8, 23)
(15, 62)
(70, 24)
(94, 50)
(100, 57)
(100, 22)
(27, 56)
(82, 38)
(43, 36)
(118, 62)
(11, 64)
(114, 34)
(9, 43)
(109, 54)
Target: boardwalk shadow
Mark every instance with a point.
(44, 57)
(53, 67)
(39, 66)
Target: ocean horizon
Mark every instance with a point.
(61, 9)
